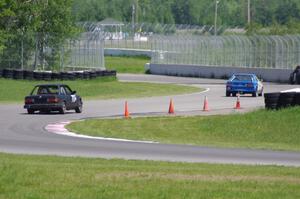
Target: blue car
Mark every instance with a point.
(244, 83)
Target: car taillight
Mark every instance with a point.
(29, 101)
(52, 100)
(249, 85)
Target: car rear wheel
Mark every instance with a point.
(30, 111)
(63, 109)
(78, 109)
(227, 94)
(254, 94)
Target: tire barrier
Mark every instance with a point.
(271, 100)
(281, 100)
(37, 75)
(48, 76)
(64, 76)
(296, 101)
(106, 73)
(110, 73)
(8, 73)
(18, 74)
(93, 74)
(86, 75)
(55, 76)
(29, 75)
(79, 75)
(71, 76)
(100, 73)
(285, 100)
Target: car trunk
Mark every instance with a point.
(41, 99)
(241, 84)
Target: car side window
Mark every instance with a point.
(62, 91)
(68, 90)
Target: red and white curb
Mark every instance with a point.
(59, 128)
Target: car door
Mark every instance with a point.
(72, 98)
(66, 97)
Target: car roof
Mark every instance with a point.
(246, 74)
(51, 85)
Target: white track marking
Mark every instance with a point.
(59, 128)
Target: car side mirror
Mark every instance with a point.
(73, 92)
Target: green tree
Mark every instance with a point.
(287, 10)
(27, 21)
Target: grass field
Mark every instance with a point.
(260, 129)
(100, 88)
(134, 65)
(57, 177)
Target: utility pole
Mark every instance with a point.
(133, 18)
(137, 11)
(216, 16)
(249, 13)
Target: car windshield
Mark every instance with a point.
(242, 78)
(45, 90)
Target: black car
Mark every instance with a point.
(53, 97)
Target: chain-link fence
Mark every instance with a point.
(139, 36)
(52, 52)
(282, 52)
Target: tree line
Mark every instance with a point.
(231, 13)
(50, 22)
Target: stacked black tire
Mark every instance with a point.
(38, 75)
(8, 73)
(29, 75)
(18, 74)
(281, 100)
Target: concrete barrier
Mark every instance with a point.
(267, 74)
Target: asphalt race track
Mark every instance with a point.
(25, 134)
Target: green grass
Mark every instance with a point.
(100, 88)
(134, 65)
(26, 177)
(260, 129)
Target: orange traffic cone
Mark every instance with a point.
(171, 107)
(238, 103)
(205, 106)
(126, 114)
